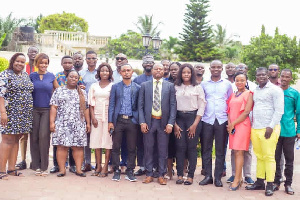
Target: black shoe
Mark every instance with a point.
(155, 174)
(256, 186)
(130, 177)
(21, 165)
(218, 183)
(140, 172)
(54, 169)
(72, 169)
(289, 190)
(207, 180)
(276, 187)
(269, 190)
(86, 168)
(117, 176)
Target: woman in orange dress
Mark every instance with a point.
(239, 125)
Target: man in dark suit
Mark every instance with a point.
(123, 119)
(157, 113)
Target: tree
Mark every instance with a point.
(35, 23)
(196, 39)
(265, 50)
(7, 27)
(63, 22)
(168, 47)
(145, 25)
(220, 37)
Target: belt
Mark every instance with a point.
(155, 117)
(125, 116)
(187, 112)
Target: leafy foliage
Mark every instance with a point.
(63, 22)
(145, 25)
(197, 37)
(7, 27)
(265, 50)
(35, 23)
(128, 43)
(3, 64)
(169, 47)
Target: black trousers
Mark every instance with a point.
(127, 127)
(140, 149)
(185, 146)
(209, 133)
(157, 133)
(285, 145)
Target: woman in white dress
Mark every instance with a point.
(100, 138)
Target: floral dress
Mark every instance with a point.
(70, 128)
(17, 93)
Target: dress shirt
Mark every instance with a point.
(268, 106)
(88, 78)
(190, 98)
(216, 95)
(157, 113)
(126, 107)
(291, 107)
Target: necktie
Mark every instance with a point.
(156, 103)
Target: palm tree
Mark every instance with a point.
(169, 46)
(146, 26)
(220, 37)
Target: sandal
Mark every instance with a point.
(61, 174)
(44, 173)
(3, 176)
(96, 173)
(103, 174)
(180, 181)
(14, 173)
(82, 174)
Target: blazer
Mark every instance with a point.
(115, 102)
(168, 103)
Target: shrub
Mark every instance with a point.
(3, 64)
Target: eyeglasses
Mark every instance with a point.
(148, 62)
(120, 58)
(240, 67)
(275, 70)
(91, 58)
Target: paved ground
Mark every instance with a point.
(73, 187)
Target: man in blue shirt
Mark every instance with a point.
(88, 78)
(123, 120)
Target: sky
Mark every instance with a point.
(114, 17)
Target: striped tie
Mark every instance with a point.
(156, 103)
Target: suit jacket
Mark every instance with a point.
(168, 103)
(115, 100)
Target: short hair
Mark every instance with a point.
(38, 59)
(274, 64)
(78, 52)
(158, 64)
(216, 61)
(240, 73)
(261, 69)
(179, 75)
(66, 56)
(126, 64)
(287, 70)
(13, 59)
(91, 52)
(104, 64)
(176, 63)
(230, 64)
(164, 60)
(32, 47)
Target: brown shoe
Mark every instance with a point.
(162, 181)
(148, 179)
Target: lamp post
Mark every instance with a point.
(156, 42)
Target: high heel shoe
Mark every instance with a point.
(237, 187)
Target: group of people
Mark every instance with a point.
(154, 118)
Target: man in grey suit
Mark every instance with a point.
(157, 113)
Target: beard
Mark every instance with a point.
(147, 69)
(77, 66)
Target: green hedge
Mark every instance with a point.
(3, 64)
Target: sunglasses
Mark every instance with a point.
(91, 58)
(120, 58)
(275, 70)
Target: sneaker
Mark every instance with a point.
(38, 172)
(230, 180)
(249, 181)
(117, 176)
(130, 177)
